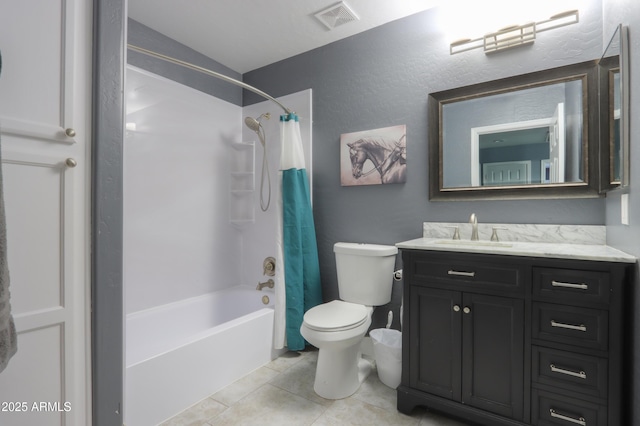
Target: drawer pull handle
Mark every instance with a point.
(580, 374)
(580, 327)
(581, 286)
(579, 421)
(461, 273)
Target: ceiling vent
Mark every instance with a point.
(336, 15)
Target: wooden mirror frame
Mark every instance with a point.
(608, 65)
(589, 188)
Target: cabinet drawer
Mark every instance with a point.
(571, 325)
(572, 371)
(469, 273)
(571, 285)
(551, 409)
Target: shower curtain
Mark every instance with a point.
(297, 245)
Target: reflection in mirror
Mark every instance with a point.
(520, 137)
(528, 136)
(614, 120)
(614, 103)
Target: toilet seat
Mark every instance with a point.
(336, 316)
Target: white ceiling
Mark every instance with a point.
(247, 34)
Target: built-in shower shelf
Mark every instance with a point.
(242, 183)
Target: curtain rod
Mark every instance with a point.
(208, 72)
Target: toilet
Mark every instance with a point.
(336, 328)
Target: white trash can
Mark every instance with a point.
(387, 350)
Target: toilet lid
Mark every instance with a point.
(336, 316)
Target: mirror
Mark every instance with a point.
(529, 136)
(614, 110)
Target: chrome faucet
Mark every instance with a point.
(473, 220)
(268, 283)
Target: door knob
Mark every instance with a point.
(456, 308)
(466, 310)
(70, 132)
(71, 163)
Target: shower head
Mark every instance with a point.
(254, 123)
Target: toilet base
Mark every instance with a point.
(339, 374)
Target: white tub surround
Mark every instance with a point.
(580, 242)
(177, 179)
(180, 353)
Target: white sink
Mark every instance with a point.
(470, 243)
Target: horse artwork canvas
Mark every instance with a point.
(374, 157)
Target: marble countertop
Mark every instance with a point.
(596, 252)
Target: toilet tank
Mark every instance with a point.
(365, 272)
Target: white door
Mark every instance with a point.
(557, 150)
(45, 137)
(506, 173)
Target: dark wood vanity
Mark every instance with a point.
(516, 340)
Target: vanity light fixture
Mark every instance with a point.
(514, 35)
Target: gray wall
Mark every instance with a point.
(627, 237)
(382, 78)
(142, 36)
(375, 79)
(107, 313)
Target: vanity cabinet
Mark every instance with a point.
(576, 347)
(513, 340)
(469, 349)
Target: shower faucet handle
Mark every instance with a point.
(269, 266)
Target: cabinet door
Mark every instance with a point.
(435, 335)
(493, 354)
(45, 113)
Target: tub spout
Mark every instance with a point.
(268, 283)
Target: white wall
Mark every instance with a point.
(178, 242)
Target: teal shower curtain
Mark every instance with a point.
(301, 269)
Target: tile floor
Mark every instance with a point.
(281, 393)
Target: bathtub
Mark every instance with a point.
(180, 353)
